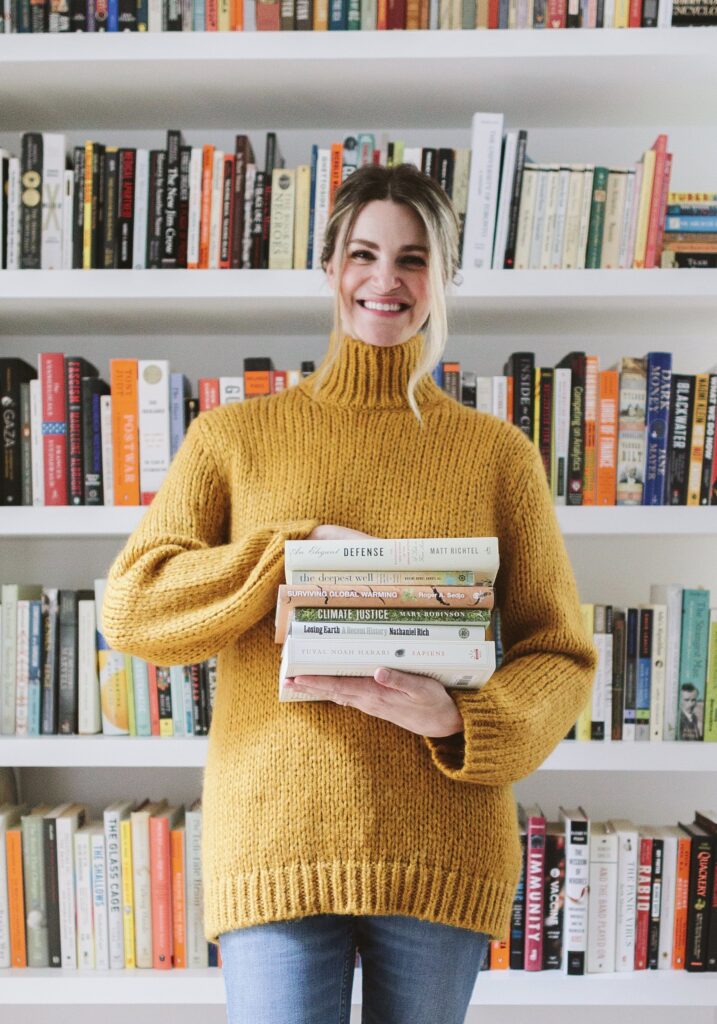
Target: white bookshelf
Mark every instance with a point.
(497, 988)
(611, 85)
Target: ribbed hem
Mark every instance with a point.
(357, 887)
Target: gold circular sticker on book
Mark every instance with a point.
(152, 374)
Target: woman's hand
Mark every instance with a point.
(417, 703)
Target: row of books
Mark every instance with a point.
(691, 232)
(425, 609)
(657, 669)
(598, 897)
(634, 434)
(123, 891)
(342, 15)
(58, 675)
(551, 216)
(186, 206)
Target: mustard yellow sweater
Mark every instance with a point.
(313, 807)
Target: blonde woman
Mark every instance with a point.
(380, 818)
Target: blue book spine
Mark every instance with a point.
(694, 641)
(338, 15)
(113, 16)
(176, 685)
(644, 673)
(438, 374)
(188, 705)
(141, 697)
(659, 384)
(312, 207)
(178, 390)
(35, 669)
(199, 16)
(694, 224)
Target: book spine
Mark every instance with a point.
(483, 190)
(698, 909)
(125, 437)
(709, 463)
(644, 672)
(73, 419)
(179, 948)
(66, 828)
(682, 894)
(534, 874)
(52, 892)
(83, 876)
(160, 874)
(577, 875)
(553, 900)
(658, 390)
(31, 202)
(697, 443)
(653, 933)
(114, 888)
(667, 904)
(16, 912)
(153, 425)
(626, 897)
(38, 954)
(127, 893)
(517, 918)
(54, 427)
(141, 886)
(99, 901)
(53, 180)
(642, 916)
(126, 207)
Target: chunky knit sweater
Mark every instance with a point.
(312, 807)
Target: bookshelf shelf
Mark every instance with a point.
(190, 752)
(298, 80)
(266, 302)
(636, 521)
(500, 988)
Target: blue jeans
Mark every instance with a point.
(301, 971)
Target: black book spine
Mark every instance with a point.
(78, 207)
(92, 390)
(173, 15)
(39, 16)
(469, 389)
(50, 660)
(509, 258)
(78, 16)
(516, 945)
(125, 207)
(682, 402)
(576, 444)
(226, 217)
(21, 11)
(203, 698)
(127, 15)
(242, 156)
(157, 179)
(59, 15)
(600, 14)
(13, 373)
(191, 411)
(4, 174)
(257, 220)
(545, 431)
(185, 156)
(31, 201)
(211, 688)
(73, 420)
(520, 367)
(273, 160)
(428, 161)
(699, 899)
(52, 896)
(618, 673)
(98, 212)
(304, 15)
(446, 163)
(649, 13)
(170, 220)
(67, 688)
(110, 208)
(553, 900)
(653, 934)
(709, 452)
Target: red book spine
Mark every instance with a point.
(396, 14)
(635, 14)
(278, 381)
(557, 14)
(653, 223)
(663, 208)
(211, 16)
(208, 393)
(534, 893)
(74, 432)
(160, 877)
(54, 427)
(642, 923)
(153, 698)
(493, 16)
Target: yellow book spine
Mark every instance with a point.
(321, 15)
(583, 728)
(224, 16)
(643, 210)
(87, 211)
(622, 14)
(127, 892)
(697, 444)
(131, 714)
(302, 205)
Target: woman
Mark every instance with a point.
(382, 818)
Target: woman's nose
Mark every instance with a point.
(386, 276)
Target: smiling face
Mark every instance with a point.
(384, 289)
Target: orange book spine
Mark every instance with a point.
(382, 14)
(608, 397)
(257, 383)
(682, 893)
(160, 872)
(413, 14)
(499, 955)
(697, 443)
(125, 430)
(321, 15)
(590, 436)
(211, 16)
(153, 698)
(16, 898)
(208, 393)
(337, 166)
(237, 16)
(205, 214)
(179, 929)
(509, 398)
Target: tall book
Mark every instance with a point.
(486, 136)
(577, 881)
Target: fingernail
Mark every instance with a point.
(381, 675)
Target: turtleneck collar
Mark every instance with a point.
(367, 376)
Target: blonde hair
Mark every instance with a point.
(407, 185)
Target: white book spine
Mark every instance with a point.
(616, 195)
(500, 396)
(413, 155)
(551, 213)
(99, 901)
(249, 185)
(602, 904)
(53, 181)
(195, 206)
(664, 14)
(577, 876)
(341, 630)
(22, 668)
(114, 889)
(486, 137)
(68, 195)
(176, 676)
(215, 217)
(584, 224)
(83, 877)
(108, 490)
(155, 16)
(141, 885)
(609, 14)
(671, 597)
(658, 658)
(507, 172)
(627, 855)
(626, 218)
(321, 204)
(667, 907)
(38, 476)
(89, 720)
(154, 429)
(603, 679)
(13, 214)
(8, 658)
(556, 255)
(571, 238)
(194, 896)
(539, 217)
(139, 221)
(632, 226)
(4, 158)
(281, 239)
(484, 394)
(479, 554)
(526, 213)
(562, 378)
(66, 827)
(231, 389)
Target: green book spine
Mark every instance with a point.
(711, 684)
(693, 662)
(597, 218)
(33, 868)
(354, 18)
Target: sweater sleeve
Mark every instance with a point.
(532, 700)
(178, 592)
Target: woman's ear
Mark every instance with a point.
(330, 273)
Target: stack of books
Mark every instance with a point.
(421, 605)
(690, 230)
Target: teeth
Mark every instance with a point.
(388, 307)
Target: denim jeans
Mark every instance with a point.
(301, 971)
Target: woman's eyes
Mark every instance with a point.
(410, 260)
